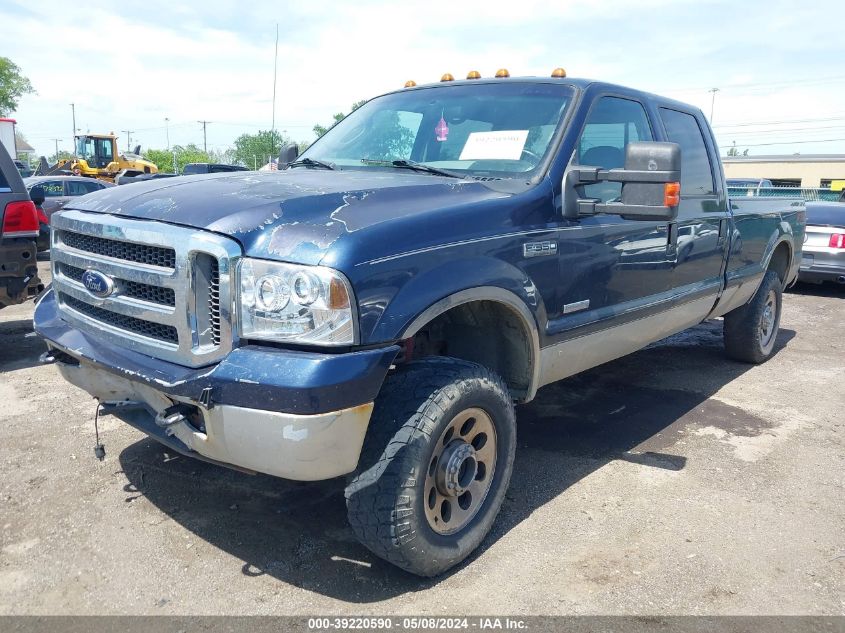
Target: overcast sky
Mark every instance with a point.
(127, 66)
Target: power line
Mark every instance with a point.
(783, 122)
(825, 140)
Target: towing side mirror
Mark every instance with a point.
(650, 180)
(37, 195)
(288, 154)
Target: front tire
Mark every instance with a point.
(435, 465)
(751, 330)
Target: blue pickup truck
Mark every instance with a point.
(376, 309)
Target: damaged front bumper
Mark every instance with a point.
(297, 415)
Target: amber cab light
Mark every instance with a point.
(20, 219)
(559, 73)
(447, 77)
(410, 83)
(502, 73)
(671, 194)
(837, 240)
(473, 74)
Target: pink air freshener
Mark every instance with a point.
(441, 130)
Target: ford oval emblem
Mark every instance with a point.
(97, 283)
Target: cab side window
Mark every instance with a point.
(696, 172)
(612, 123)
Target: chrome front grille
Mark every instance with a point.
(164, 333)
(138, 253)
(143, 292)
(172, 286)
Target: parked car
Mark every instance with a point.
(823, 258)
(376, 309)
(210, 168)
(18, 230)
(58, 190)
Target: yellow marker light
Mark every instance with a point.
(502, 72)
(410, 83)
(473, 74)
(558, 72)
(447, 77)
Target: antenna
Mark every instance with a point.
(273, 124)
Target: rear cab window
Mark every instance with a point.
(696, 171)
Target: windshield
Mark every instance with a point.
(484, 130)
(84, 147)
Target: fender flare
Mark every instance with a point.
(785, 236)
(497, 295)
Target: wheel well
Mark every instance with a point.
(779, 261)
(485, 332)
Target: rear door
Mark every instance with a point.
(698, 236)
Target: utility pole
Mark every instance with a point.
(204, 138)
(167, 131)
(57, 140)
(712, 102)
(273, 124)
(128, 138)
(73, 136)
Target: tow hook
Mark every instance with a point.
(173, 415)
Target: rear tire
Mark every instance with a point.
(435, 465)
(751, 330)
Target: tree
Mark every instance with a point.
(62, 155)
(319, 130)
(253, 150)
(163, 158)
(13, 85)
(734, 151)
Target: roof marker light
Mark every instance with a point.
(473, 74)
(502, 72)
(559, 72)
(447, 77)
(410, 83)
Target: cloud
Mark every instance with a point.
(129, 67)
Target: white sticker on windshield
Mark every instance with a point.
(499, 145)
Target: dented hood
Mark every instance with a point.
(294, 215)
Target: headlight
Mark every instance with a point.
(291, 303)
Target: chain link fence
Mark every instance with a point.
(807, 193)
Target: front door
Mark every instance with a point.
(612, 270)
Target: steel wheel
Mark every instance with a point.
(768, 321)
(460, 471)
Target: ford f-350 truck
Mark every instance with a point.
(376, 309)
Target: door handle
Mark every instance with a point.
(672, 240)
(723, 232)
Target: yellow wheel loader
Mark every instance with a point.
(96, 156)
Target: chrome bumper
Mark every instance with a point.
(299, 447)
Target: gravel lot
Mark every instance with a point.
(673, 481)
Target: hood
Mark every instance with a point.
(292, 215)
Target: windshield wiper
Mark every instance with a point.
(409, 164)
(311, 162)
